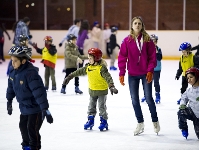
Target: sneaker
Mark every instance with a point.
(156, 127)
(139, 129)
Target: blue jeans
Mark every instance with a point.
(134, 91)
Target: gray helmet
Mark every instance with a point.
(154, 37)
(20, 51)
(22, 39)
(71, 37)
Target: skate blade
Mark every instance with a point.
(139, 133)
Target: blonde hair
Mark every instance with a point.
(146, 37)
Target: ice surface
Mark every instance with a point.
(70, 114)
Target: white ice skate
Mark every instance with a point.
(156, 127)
(139, 129)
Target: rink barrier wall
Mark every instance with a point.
(169, 41)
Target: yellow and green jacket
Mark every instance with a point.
(99, 79)
(185, 63)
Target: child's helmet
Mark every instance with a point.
(185, 46)
(194, 71)
(20, 51)
(154, 37)
(48, 38)
(96, 52)
(22, 39)
(114, 29)
(71, 37)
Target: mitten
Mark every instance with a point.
(60, 44)
(67, 79)
(149, 77)
(182, 107)
(177, 78)
(34, 45)
(113, 89)
(121, 78)
(9, 108)
(46, 113)
(79, 60)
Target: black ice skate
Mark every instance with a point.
(77, 90)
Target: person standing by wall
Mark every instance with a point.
(107, 34)
(96, 34)
(82, 36)
(2, 39)
(138, 52)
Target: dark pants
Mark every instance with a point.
(9, 65)
(185, 114)
(1, 52)
(134, 91)
(107, 49)
(156, 78)
(49, 72)
(29, 126)
(82, 53)
(69, 71)
(184, 84)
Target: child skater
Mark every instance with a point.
(157, 70)
(111, 46)
(72, 59)
(186, 61)
(190, 97)
(26, 85)
(49, 58)
(99, 80)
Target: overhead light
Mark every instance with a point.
(27, 5)
(32, 4)
(68, 9)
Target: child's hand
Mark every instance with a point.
(79, 60)
(47, 114)
(9, 108)
(113, 89)
(34, 45)
(182, 107)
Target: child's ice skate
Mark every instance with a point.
(113, 68)
(156, 127)
(26, 148)
(46, 87)
(54, 88)
(63, 90)
(143, 99)
(103, 124)
(139, 129)
(157, 100)
(185, 133)
(77, 90)
(89, 123)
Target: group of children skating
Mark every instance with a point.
(29, 85)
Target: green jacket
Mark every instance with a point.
(71, 54)
(104, 73)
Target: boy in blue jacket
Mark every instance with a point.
(26, 85)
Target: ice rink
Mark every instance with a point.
(70, 114)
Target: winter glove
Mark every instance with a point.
(46, 113)
(177, 78)
(121, 78)
(34, 45)
(113, 89)
(182, 107)
(60, 44)
(9, 108)
(149, 77)
(79, 60)
(67, 79)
